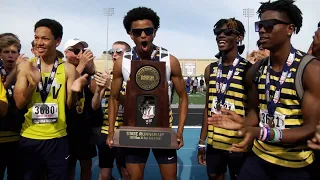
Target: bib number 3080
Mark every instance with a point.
(44, 113)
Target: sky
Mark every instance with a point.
(185, 25)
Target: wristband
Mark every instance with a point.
(268, 134)
(200, 146)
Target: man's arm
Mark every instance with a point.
(3, 101)
(24, 88)
(10, 78)
(180, 87)
(252, 117)
(310, 108)
(97, 97)
(114, 95)
(72, 75)
(204, 128)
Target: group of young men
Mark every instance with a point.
(259, 120)
(51, 114)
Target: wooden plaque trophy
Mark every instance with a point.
(146, 111)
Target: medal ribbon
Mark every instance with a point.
(153, 56)
(272, 104)
(223, 84)
(45, 91)
(4, 76)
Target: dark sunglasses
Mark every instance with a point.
(147, 31)
(76, 51)
(227, 32)
(268, 24)
(118, 51)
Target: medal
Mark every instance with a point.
(272, 101)
(79, 110)
(270, 121)
(43, 108)
(223, 83)
(218, 106)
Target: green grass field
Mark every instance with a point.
(198, 98)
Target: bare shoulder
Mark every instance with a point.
(311, 75)
(173, 59)
(69, 65)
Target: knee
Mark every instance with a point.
(135, 176)
(215, 176)
(86, 165)
(105, 174)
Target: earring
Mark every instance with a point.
(289, 34)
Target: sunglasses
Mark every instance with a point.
(137, 32)
(227, 32)
(76, 51)
(118, 51)
(268, 24)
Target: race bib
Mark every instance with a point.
(227, 105)
(45, 113)
(120, 111)
(278, 119)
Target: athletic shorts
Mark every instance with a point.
(107, 155)
(9, 160)
(140, 155)
(40, 156)
(218, 160)
(257, 168)
(81, 148)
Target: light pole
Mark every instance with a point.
(248, 13)
(107, 12)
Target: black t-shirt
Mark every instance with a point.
(201, 82)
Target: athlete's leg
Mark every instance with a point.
(216, 163)
(85, 155)
(72, 167)
(31, 163)
(12, 165)
(256, 168)
(4, 158)
(136, 159)
(57, 158)
(167, 160)
(106, 158)
(86, 172)
(121, 163)
(235, 162)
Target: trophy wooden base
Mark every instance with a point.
(145, 137)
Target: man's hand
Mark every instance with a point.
(79, 83)
(33, 75)
(249, 133)
(21, 58)
(85, 57)
(102, 80)
(110, 139)
(180, 140)
(202, 156)
(316, 44)
(314, 143)
(227, 120)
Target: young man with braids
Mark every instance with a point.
(286, 122)
(142, 24)
(225, 92)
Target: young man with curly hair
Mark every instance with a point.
(142, 24)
